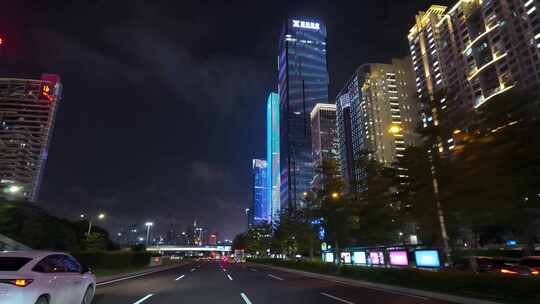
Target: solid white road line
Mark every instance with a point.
(274, 277)
(230, 278)
(246, 299)
(144, 299)
(180, 277)
(336, 298)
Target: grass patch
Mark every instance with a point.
(482, 286)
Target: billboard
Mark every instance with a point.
(427, 258)
(346, 257)
(376, 257)
(359, 258)
(329, 257)
(398, 258)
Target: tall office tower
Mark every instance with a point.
(473, 52)
(384, 115)
(344, 134)
(259, 211)
(273, 173)
(325, 144)
(303, 82)
(27, 113)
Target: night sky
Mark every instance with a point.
(164, 101)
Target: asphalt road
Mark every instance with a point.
(216, 282)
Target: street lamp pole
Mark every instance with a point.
(100, 216)
(148, 225)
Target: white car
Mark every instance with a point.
(39, 277)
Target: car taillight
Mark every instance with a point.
(18, 282)
(506, 271)
(535, 272)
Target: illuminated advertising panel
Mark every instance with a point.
(399, 258)
(376, 258)
(273, 158)
(346, 257)
(427, 258)
(359, 258)
(329, 257)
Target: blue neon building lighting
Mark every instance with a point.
(259, 211)
(273, 158)
(303, 82)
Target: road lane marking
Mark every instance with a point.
(336, 298)
(274, 277)
(192, 269)
(144, 299)
(246, 299)
(230, 278)
(180, 277)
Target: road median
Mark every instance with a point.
(452, 286)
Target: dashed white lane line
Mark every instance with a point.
(275, 277)
(192, 269)
(230, 278)
(144, 299)
(336, 298)
(180, 277)
(245, 298)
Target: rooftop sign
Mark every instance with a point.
(306, 25)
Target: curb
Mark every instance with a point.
(426, 295)
(133, 275)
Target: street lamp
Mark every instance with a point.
(14, 189)
(148, 225)
(100, 216)
(335, 195)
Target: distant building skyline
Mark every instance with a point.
(303, 82)
(27, 114)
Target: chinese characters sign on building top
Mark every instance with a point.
(306, 25)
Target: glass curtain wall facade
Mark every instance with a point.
(273, 162)
(259, 210)
(27, 114)
(324, 139)
(303, 82)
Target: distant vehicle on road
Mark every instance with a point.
(40, 277)
(483, 264)
(527, 266)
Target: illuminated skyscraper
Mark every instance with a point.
(303, 82)
(384, 113)
(273, 175)
(27, 112)
(324, 139)
(259, 211)
(466, 55)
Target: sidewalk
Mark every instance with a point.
(126, 276)
(380, 287)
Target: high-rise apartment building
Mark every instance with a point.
(384, 115)
(325, 144)
(466, 55)
(260, 207)
(27, 113)
(273, 172)
(303, 82)
(344, 135)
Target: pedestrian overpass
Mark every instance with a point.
(169, 249)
